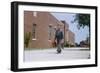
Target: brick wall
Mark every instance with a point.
(43, 20)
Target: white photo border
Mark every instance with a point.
(33, 64)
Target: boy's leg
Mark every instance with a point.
(58, 47)
(62, 45)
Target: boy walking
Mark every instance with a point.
(59, 38)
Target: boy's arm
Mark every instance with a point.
(62, 35)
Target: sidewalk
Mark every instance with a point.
(51, 54)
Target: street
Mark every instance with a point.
(51, 54)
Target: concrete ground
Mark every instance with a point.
(51, 54)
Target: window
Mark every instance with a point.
(50, 32)
(35, 14)
(34, 31)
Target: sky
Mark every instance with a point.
(80, 34)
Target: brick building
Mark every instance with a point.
(42, 26)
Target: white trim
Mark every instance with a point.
(50, 25)
(34, 39)
(50, 40)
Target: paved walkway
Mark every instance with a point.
(51, 54)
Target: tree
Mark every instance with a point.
(83, 20)
(88, 41)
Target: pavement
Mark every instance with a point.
(51, 54)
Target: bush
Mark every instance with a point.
(27, 37)
(71, 45)
(66, 44)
